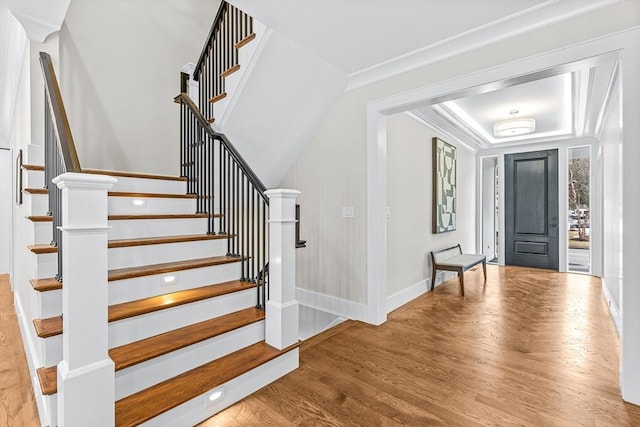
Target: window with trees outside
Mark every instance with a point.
(579, 255)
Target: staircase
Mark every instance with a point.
(185, 320)
(181, 324)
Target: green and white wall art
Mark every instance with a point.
(444, 186)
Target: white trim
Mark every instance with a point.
(614, 310)
(33, 361)
(540, 16)
(333, 305)
(408, 294)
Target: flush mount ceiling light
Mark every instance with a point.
(514, 126)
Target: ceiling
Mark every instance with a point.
(567, 102)
(373, 40)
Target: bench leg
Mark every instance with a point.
(461, 278)
(484, 269)
(433, 277)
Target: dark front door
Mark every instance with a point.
(531, 209)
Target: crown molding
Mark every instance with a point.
(542, 15)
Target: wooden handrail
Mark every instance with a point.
(242, 163)
(61, 127)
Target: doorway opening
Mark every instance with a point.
(490, 208)
(578, 201)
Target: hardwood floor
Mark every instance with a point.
(17, 403)
(532, 347)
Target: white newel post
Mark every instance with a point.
(282, 307)
(86, 391)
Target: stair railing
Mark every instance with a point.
(231, 27)
(60, 151)
(228, 191)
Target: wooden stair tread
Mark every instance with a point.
(40, 218)
(48, 327)
(158, 216)
(33, 167)
(140, 351)
(146, 404)
(218, 97)
(148, 270)
(152, 195)
(245, 40)
(43, 285)
(149, 305)
(211, 120)
(134, 175)
(48, 379)
(230, 70)
(52, 326)
(124, 194)
(144, 241)
(36, 191)
(44, 248)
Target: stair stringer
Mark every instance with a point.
(274, 109)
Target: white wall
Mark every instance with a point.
(332, 170)
(611, 142)
(409, 197)
(6, 210)
(120, 63)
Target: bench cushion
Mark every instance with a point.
(465, 261)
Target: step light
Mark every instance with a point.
(138, 203)
(170, 280)
(214, 396)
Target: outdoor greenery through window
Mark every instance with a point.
(579, 220)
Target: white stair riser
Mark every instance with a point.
(143, 375)
(148, 286)
(39, 204)
(145, 185)
(50, 303)
(139, 228)
(52, 347)
(139, 327)
(151, 205)
(199, 409)
(35, 179)
(135, 256)
(42, 232)
(46, 265)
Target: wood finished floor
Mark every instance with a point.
(532, 348)
(17, 403)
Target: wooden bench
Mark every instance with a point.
(452, 259)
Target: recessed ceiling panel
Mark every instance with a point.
(548, 101)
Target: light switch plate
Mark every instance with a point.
(348, 212)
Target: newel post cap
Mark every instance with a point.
(84, 181)
(282, 193)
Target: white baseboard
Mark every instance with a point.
(43, 403)
(614, 310)
(330, 304)
(407, 294)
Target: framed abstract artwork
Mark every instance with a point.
(444, 186)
